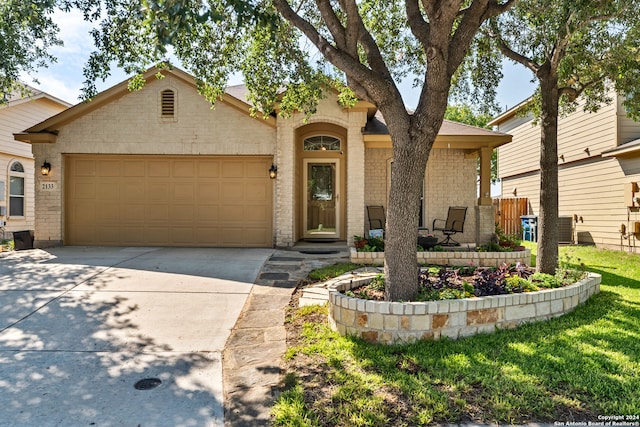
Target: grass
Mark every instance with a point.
(331, 271)
(573, 368)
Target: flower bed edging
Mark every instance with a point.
(395, 322)
(457, 258)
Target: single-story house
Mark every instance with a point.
(19, 112)
(159, 166)
(599, 172)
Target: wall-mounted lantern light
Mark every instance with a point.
(273, 171)
(45, 169)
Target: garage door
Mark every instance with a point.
(167, 200)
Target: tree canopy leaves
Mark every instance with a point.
(27, 32)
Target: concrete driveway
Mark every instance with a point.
(80, 326)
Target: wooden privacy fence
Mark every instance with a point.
(508, 213)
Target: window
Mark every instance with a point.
(321, 143)
(16, 190)
(167, 104)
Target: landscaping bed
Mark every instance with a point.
(442, 283)
(573, 369)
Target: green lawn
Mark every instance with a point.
(574, 368)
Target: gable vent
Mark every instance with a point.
(168, 103)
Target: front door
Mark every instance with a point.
(321, 216)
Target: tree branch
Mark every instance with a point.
(574, 93)
(333, 23)
(360, 78)
(419, 27)
(506, 50)
(374, 56)
(473, 17)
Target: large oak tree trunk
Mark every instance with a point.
(413, 138)
(547, 259)
(401, 265)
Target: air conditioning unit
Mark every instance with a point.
(565, 229)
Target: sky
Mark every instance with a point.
(64, 78)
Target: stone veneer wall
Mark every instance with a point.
(395, 322)
(457, 258)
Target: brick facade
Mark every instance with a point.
(131, 123)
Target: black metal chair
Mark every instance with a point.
(452, 225)
(377, 218)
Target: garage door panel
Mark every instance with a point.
(158, 168)
(133, 214)
(183, 192)
(158, 191)
(106, 235)
(84, 212)
(206, 214)
(156, 235)
(84, 234)
(256, 214)
(85, 168)
(208, 193)
(256, 192)
(168, 200)
(184, 168)
(130, 236)
(133, 168)
(133, 191)
(182, 213)
(209, 169)
(108, 213)
(109, 168)
(85, 190)
(257, 169)
(233, 169)
(232, 214)
(156, 212)
(107, 191)
(257, 236)
(232, 191)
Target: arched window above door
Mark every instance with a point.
(321, 143)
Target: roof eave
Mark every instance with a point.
(509, 113)
(35, 137)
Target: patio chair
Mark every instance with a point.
(377, 219)
(452, 225)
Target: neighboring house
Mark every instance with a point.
(16, 159)
(599, 173)
(160, 167)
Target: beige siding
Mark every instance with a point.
(590, 186)
(17, 117)
(523, 153)
(577, 132)
(593, 191)
(628, 130)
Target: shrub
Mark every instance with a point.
(545, 280)
(377, 283)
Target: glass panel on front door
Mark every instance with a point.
(321, 200)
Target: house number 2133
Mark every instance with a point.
(48, 186)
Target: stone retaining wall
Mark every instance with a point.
(395, 322)
(457, 258)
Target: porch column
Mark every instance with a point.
(485, 218)
(485, 176)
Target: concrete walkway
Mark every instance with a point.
(79, 327)
(253, 354)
